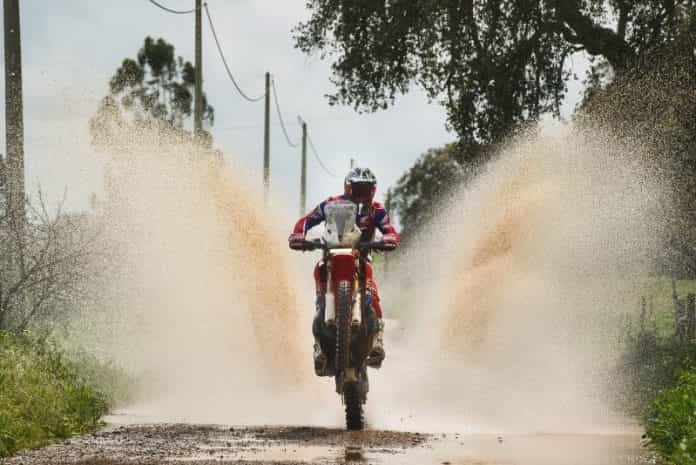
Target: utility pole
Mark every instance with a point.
(303, 176)
(14, 118)
(198, 87)
(267, 139)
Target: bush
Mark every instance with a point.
(649, 365)
(43, 398)
(671, 422)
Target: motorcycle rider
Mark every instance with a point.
(360, 186)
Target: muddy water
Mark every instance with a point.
(154, 444)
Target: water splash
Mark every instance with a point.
(506, 307)
(209, 310)
(517, 287)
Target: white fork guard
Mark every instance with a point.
(330, 299)
(330, 310)
(357, 313)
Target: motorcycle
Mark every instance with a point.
(349, 320)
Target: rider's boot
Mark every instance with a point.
(377, 354)
(320, 360)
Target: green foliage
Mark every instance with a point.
(492, 63)
(654, 104)
(649, 365)
(153, 90)
(431, 179)
(47, 397)
(671, 422)
(656, 378)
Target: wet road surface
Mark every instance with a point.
(200, 444)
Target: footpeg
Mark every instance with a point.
(376, 357)
(321, 362)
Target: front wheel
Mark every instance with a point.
(353, 398)
(344, 317)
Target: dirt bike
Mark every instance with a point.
(349, 319)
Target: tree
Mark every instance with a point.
(155, 89)
(492, 63)
(43, 265)
(435, 175)
(653, 104)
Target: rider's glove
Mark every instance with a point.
(296, 241)
(391, 241)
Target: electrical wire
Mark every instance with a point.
(240, 91)
(224, 60)
(169, 10)
(280, 116)
(321, 163)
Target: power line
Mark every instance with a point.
(169, 10)
(240, 91)
(224, 61)
(316, 155)
(280, 116)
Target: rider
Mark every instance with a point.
(359, 187)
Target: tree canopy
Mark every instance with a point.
(491, 63)
(155, 88)
(654, 105)
(431, 179)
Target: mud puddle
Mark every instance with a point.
(197, 444)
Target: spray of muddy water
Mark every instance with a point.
(512, 295)
(505, 303)
(207, 307)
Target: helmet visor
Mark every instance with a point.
(362, 191)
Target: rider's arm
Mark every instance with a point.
(314, 218)
(389, 233)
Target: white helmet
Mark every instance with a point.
(360, 184)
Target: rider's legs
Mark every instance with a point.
(377, 353)
(318, 327)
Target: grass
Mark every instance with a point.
(658, 373)
(658, 290)
(47, 397)
(671, 422)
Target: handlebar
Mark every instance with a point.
(362, 246)
(375, 245)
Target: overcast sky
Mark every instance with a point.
(72, 47)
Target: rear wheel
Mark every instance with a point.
(353, 398)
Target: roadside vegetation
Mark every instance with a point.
(671, 421)
(44, 396)
(48, 396)
(656, 372)
(52, 261)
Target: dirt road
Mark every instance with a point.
(176, 443)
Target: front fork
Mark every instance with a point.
(364, 322)
(362, 300)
